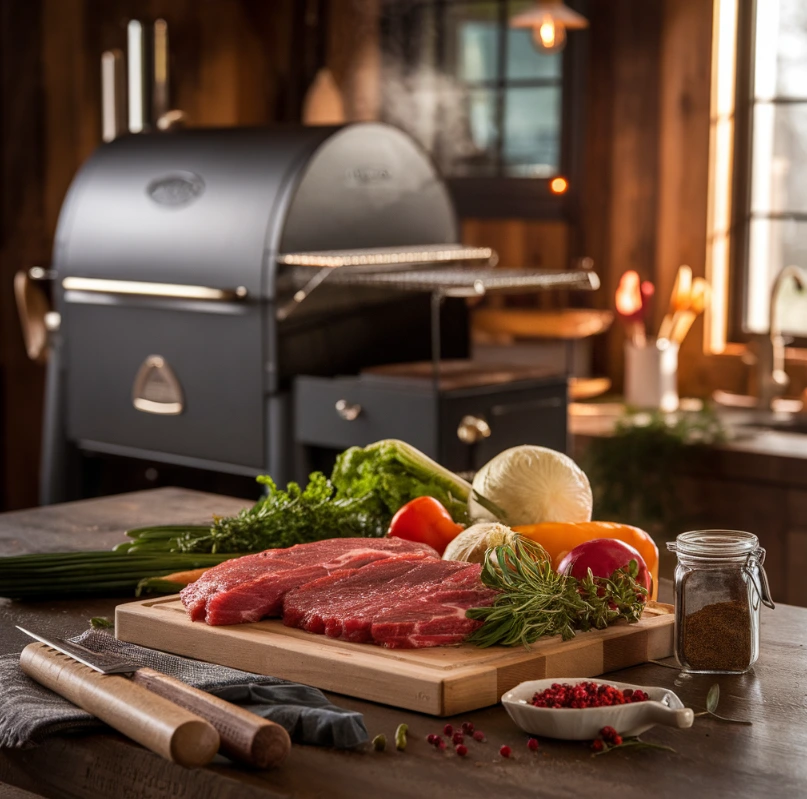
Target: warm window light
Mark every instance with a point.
(549, 21)
(558, 185)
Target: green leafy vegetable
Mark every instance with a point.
(390, 473)
(535, 601)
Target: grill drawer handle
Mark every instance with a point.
(472, 429)
(349, 411)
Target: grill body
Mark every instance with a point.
(212, 210)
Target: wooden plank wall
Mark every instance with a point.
(232, 63)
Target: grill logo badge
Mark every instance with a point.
(176, 189)
(367, 175)
(156, 388)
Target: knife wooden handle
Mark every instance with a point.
(244, 736)
(154, 722)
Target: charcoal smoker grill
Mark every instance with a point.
(237, 301)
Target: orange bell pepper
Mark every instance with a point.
(558, 538)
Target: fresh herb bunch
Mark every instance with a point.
(535, 601)
(285, 518)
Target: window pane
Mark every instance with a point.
(473, 41)
(781, 49)
(779, 177)
(468, 134)
(523, 60)
(532, 120)
(773, 245)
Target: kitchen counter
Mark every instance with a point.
(751, 451)
(712, 759)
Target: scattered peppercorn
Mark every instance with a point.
(467, 727)
(598, 745)
(400, 737)
(479, 736)
(532, 744)
(461, 750)
(458, 738)
(585, 694)
(608, 734)
(505, 751)
(380, 742)
(448, 730)
(431, 738)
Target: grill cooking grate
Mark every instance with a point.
(465, 282)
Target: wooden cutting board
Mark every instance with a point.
(440, 681)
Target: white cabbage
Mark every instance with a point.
(531, 485)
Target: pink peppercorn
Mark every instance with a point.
(532, 744)
(457, 738)
(505, 751)
(461, 750)
(448, 730)
(479, 736)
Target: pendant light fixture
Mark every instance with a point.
(549, 20)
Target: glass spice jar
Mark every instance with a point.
(720, 585)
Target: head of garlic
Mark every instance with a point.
(471, 544)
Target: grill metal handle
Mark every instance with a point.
(472, 429)
(349, 411)
(144, 289)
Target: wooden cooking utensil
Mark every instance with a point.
(680, 300)
(159, 725)
(243, 735)
(629, 305)
(700, 297)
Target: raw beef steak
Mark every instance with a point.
(251, 588)
(403, 602)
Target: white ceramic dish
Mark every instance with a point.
(584, 724)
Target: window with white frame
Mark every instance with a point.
(773, 227)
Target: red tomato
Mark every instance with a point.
(426, 521)
(604, 556)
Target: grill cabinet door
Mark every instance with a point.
(214, 355)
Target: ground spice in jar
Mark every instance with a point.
(718, 637)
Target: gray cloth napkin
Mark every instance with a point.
(29, 713)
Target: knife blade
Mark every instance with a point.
(244, 736)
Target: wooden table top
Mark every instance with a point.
(712, 759)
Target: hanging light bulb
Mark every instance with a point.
(549, 21)
(549, 36)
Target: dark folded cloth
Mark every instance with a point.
(30, 713)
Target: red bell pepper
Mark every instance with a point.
(426, 521)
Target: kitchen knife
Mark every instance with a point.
(244, 736)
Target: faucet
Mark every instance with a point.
(773, 379)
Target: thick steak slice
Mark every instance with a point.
(250, 588)
(405, 602)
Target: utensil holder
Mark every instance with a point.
(651, 375)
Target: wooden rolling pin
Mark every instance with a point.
(244, 735)
(145, 717)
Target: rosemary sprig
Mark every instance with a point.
(535, 601)
(634, 743)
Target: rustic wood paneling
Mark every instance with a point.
(23, 242)
(233, 62)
